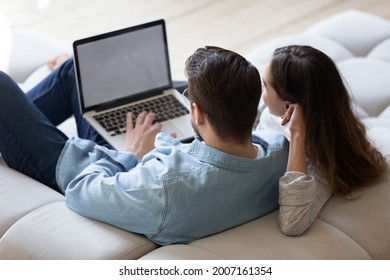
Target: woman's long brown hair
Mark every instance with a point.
(336, 140)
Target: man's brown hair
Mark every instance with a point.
(227, 88)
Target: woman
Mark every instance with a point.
(329, 150)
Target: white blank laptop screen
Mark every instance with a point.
(124, 65)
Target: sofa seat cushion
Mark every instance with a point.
(262, 239)
(378, 129)
(381, 51)
(377, 122)
(56, 232)
(370, 84)
(359, 32)
(20, 195)
(260, 56)
(380, 137)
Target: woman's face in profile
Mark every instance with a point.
(275, 105)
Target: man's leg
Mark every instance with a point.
(56, 97)
(29, 142)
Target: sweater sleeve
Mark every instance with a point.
(301, 197)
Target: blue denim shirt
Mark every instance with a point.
(178, 192)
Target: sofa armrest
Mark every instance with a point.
(30, 50)
(262, 239)
(23, 51)
(20, 195)
(56, 232)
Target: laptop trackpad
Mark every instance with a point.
(170, 128)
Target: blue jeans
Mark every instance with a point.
(29, 139)
(56, 97)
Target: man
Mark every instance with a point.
(169, 191)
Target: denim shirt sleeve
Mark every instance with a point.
(111, 186)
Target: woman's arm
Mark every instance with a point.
(297, 153)
(301, 196)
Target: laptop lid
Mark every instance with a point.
(122, 66)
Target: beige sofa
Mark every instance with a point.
(36, 224)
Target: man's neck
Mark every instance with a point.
(245, 149)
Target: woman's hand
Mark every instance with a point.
(295, 117)
(140, 138)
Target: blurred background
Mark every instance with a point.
(239, 25)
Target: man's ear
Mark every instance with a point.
(199, 115)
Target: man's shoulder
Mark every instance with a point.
(271, 140)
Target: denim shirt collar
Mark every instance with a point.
(210, 155)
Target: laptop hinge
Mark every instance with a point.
(124, 101)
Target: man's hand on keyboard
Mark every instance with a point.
(140, 138)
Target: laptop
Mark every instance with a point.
(129, 70)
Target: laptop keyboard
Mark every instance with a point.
(166, 108)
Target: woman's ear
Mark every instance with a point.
(287, 104)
